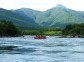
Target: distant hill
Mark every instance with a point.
(19, 20)
(58, 16)
(28, 12)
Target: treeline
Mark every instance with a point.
(76, 30)
(7, 28)
(43, 31)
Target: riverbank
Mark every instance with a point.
(46, 36)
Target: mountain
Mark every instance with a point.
(28, 12)
(58, 16)
(20, 20)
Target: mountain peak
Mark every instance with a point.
(60, 6)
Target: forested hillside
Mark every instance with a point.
(58, 16)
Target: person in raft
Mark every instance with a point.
(40, 37)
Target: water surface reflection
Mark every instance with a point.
(52, 49)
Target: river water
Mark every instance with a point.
(52, 49)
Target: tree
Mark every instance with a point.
(7, 28)
(74, 30)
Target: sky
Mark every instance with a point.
(41, 5)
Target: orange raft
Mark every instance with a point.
(40, 37)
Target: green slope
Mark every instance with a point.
(59, 16)
(24, 22)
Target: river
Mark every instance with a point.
(52, 49)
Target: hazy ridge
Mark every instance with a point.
(58, 16)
